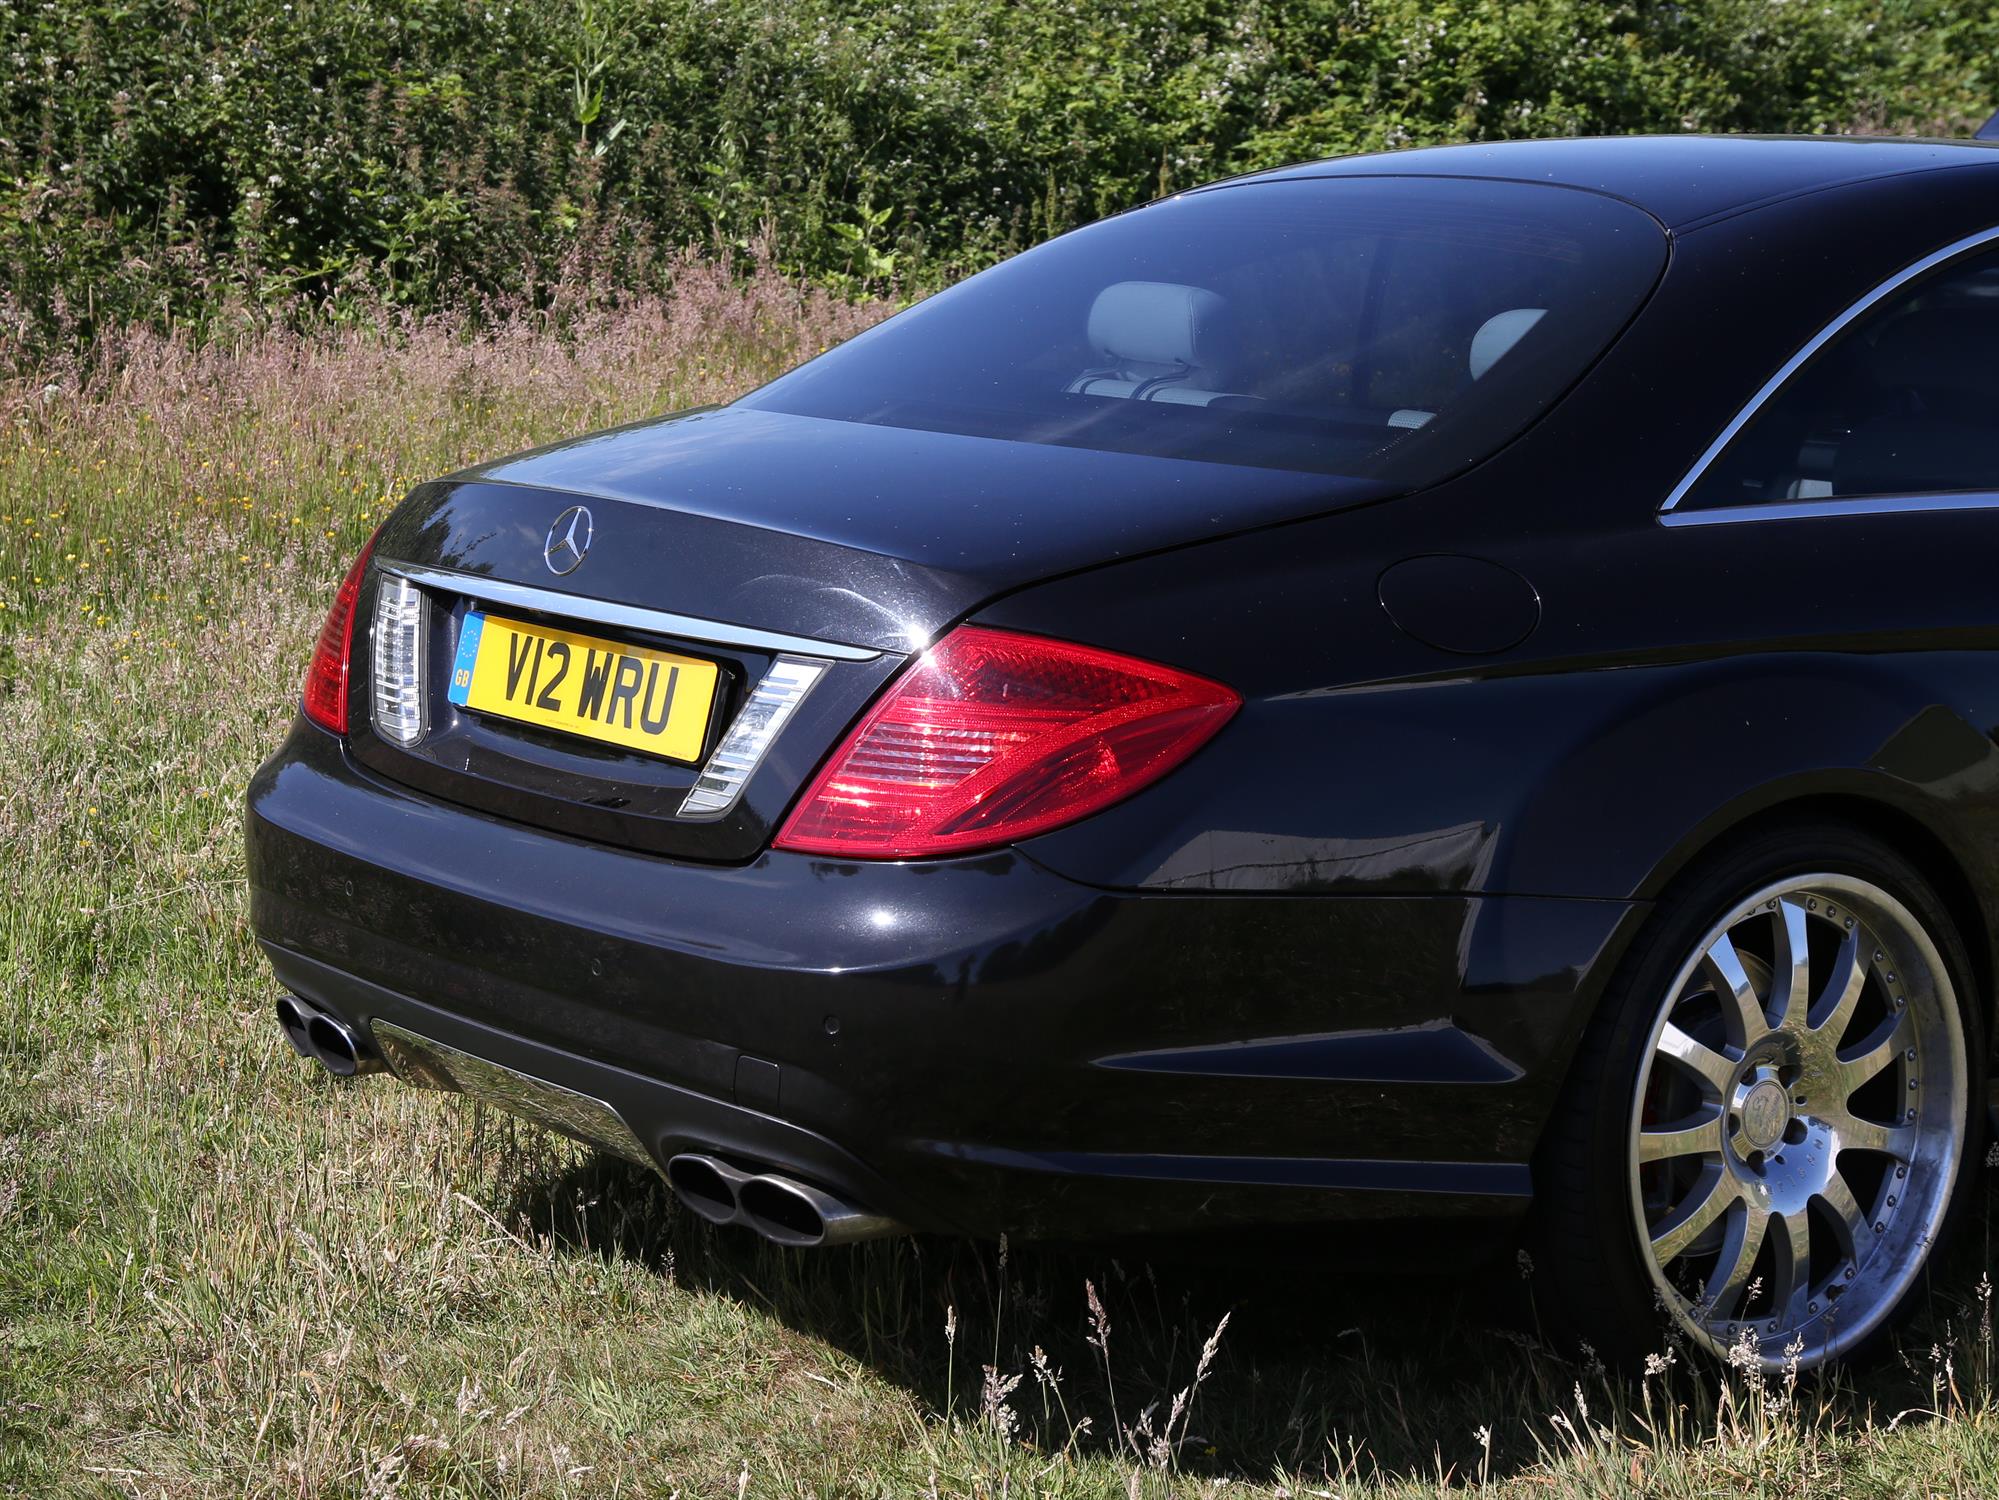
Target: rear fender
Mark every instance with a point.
(1680, 756)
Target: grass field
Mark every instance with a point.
(222, 1273)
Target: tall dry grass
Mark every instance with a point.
(484, 378)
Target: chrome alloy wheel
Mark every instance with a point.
(1798, 1120)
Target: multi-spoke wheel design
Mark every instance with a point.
(1798, 1120)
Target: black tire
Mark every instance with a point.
(1592, 1280)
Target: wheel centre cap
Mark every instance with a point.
(1765, 1110)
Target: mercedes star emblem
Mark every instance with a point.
(568, 540)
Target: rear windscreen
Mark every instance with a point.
(1383, 328)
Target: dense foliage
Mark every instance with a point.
(164, 158)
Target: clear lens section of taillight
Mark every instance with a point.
(992, 736)
(326, 679)
(396, 659)
(770, 704)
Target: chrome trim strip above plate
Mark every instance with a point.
(625, 616)
(1824, 336)
(1811, 510)
(427, 1064)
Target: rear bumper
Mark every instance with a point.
(973, 1045)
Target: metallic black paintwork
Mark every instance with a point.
(1467, 606)
(1335, 964)
(983, 1010)
(1683, 181)
(864, 536)
(875, 536)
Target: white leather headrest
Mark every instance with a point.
(1157, 323)
(1498, 334)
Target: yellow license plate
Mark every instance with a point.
(622, 695)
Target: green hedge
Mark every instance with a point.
(162, 159)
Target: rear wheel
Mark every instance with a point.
(1765, 1133)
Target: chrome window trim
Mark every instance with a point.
(1791, 367)
(1811, 510)
(625, 616)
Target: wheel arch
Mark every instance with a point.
(1866, 810)
(1891, 744)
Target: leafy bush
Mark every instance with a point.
(166, 160)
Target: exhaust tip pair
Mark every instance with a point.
(781, 1209)
(325, 1038)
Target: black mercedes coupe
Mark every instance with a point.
(1431, 699)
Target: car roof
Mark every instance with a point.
(1682, 180)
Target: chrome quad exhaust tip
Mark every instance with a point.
(325, 1038)
(781, 1209)
(293, 1015)
(711, 1188)
(786, 1212)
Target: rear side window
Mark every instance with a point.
(1903, 401)
(1396, 329)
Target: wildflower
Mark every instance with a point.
(992, 1401)
(1100, 1323)
(1794, 1353)
(1743, 1354)
(1181, 1412)
(1046, 1375)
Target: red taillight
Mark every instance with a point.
(993, 736)
(326, 678)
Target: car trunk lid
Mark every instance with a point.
(763, 544)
